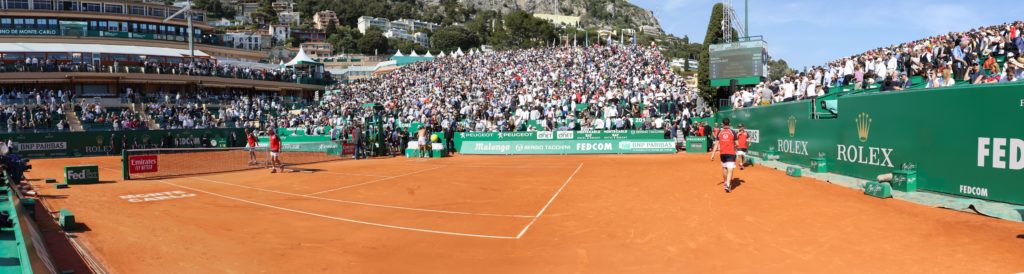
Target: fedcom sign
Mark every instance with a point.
(1001, 153)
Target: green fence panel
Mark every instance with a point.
(964, 140)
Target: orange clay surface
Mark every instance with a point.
(521, 214)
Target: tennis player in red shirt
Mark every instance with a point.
(251, 146)
(726, 147)
(741, 146)
(275, 149)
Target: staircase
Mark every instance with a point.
(74, 123)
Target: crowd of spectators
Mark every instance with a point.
(993, 54)
(199, 67)
(33, 110)
(553, 88)
(96, 116)
(182, 116)
(550, 88)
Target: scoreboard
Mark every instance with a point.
(738, 60)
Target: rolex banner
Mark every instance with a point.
(964, 141)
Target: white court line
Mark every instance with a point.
(373, 181)
(485, 166)
(363, 203)
(549, 202)
(107, 168)
(353, 174)
(339, 218)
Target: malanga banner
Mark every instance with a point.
(565, 142)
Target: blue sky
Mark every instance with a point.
(808, 32)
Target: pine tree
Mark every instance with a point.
(713, 36)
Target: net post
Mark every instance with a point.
(124, 164)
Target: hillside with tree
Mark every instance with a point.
(501, 24)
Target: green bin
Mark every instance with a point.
(819, 165)
(904, 180)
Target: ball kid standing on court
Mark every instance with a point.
(726, 146)
(275, 149)
(250, 145)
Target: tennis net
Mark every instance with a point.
(171, 162)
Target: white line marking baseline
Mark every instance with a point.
(339, 218)
(549, 202)
(364, 203)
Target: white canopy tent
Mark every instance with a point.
(302, 63)
(301, 59)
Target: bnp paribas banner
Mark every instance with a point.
(965, 141)
(564, 142)
(98, 143)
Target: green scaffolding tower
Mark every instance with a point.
(373, 130)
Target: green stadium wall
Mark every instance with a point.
(950, 134)
(97, 143)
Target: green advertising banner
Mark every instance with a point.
(83, 174)
(649, 146)
(99, 143)
(557, 135)
(28, 31)
(696, 144)
(564, 142)
(964, 140)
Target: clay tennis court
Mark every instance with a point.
(521, 214)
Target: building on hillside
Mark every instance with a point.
(246, 10)
(365, 22)
(409, 25)
(681, 63)
(317, 49)
(420, 38)
(559, 20)
(324, 18)
(651, 30)
(280, 33)
(247, 39)
(406, 29)
(283, 6)
(309, 35)
(293, 18)
(419, 26)
(224, 22)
